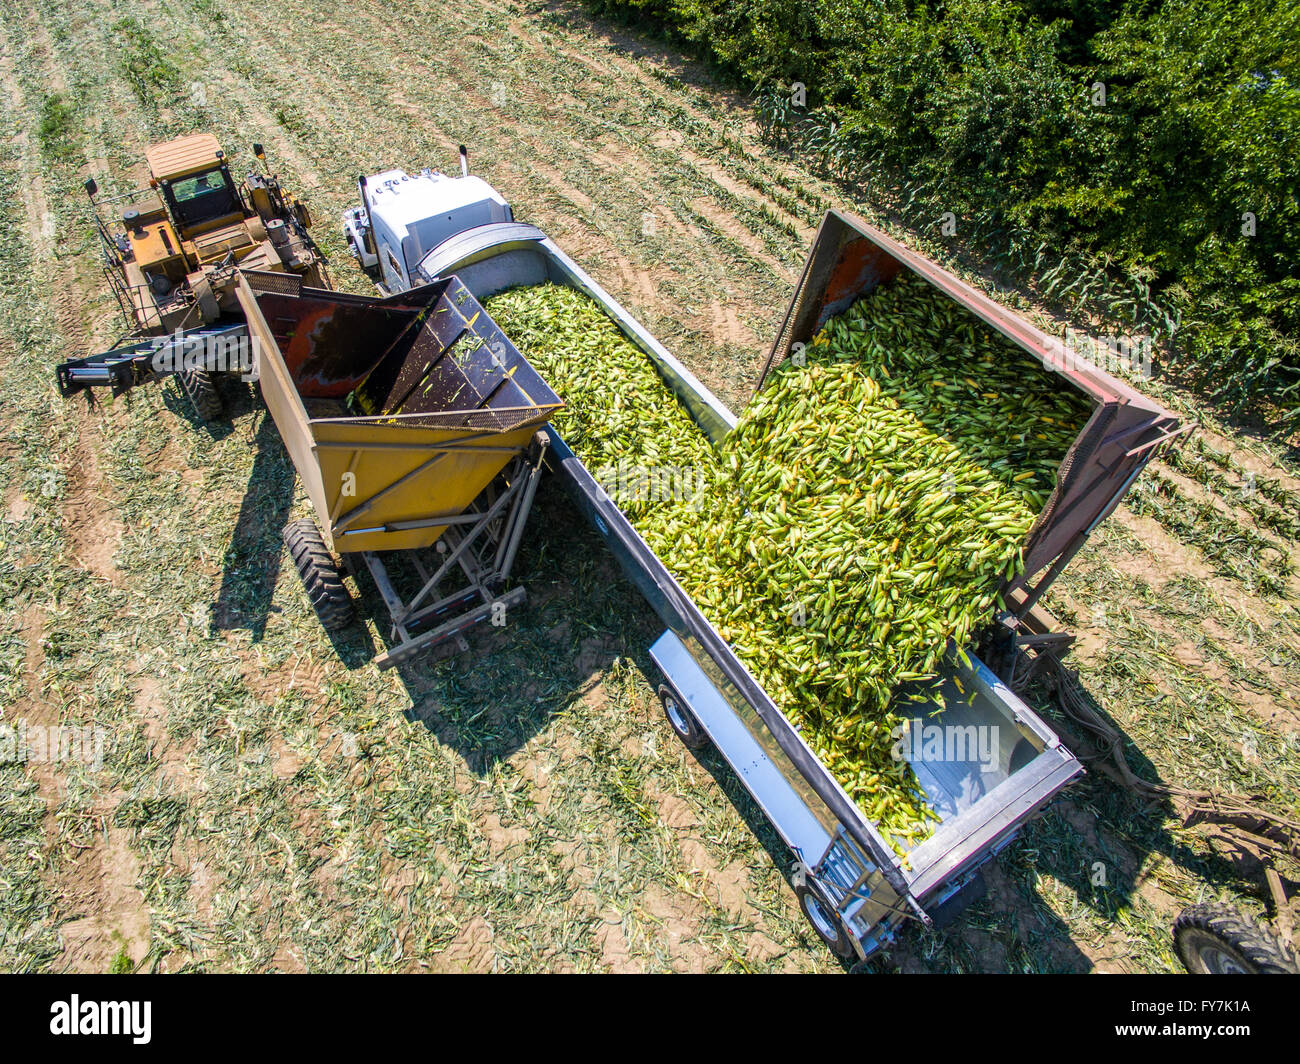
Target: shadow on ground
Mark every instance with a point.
(251, 566)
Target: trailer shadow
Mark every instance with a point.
(583, 618)
(579, 618)
(251, 565)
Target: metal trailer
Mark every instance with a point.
(414, 424)
(854, 889)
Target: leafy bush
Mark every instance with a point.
(1117, 151)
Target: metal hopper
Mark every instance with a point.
(412, 421)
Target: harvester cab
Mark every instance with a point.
(173, 265)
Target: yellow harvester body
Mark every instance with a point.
(174, 266)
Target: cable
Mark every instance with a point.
(1248, 823)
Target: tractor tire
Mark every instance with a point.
(320, 575)
(1214, 939)
(199, 385)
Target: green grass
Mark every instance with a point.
(152, 75)
(58, 128)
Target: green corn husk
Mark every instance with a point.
(617, 406)
(864, 511)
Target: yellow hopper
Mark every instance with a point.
(413, 422)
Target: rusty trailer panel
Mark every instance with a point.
(1126, 430)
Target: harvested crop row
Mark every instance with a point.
(964, 382)
(859, 516)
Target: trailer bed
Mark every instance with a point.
(871, 885)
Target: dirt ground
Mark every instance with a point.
(268, 800)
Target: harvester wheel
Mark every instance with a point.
(681, 719)
(202, 390)
(1214, 939)
(320, 574)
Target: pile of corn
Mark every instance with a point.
(616, 406)
(963, 382)
(865, 510)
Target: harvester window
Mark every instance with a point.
(201, 197)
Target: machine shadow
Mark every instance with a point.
(251, 566)
(236, 401)
(579, 618)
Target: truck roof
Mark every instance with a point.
(408, 199)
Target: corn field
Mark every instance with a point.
(266, 799)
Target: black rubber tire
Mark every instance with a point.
(681, 719)
(320, 575)
(1213, 939)
(202, 390)
(823, 918)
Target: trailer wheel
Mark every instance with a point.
(320, 574)
(1214, 939)
(681, 719)
(202, 390)
(822, 915)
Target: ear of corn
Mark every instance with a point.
(865, 510)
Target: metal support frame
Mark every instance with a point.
(1027, 641)
(481, 545)
(125, 366)
(850, 896)
(1032, 595)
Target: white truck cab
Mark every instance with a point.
(404, 216)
